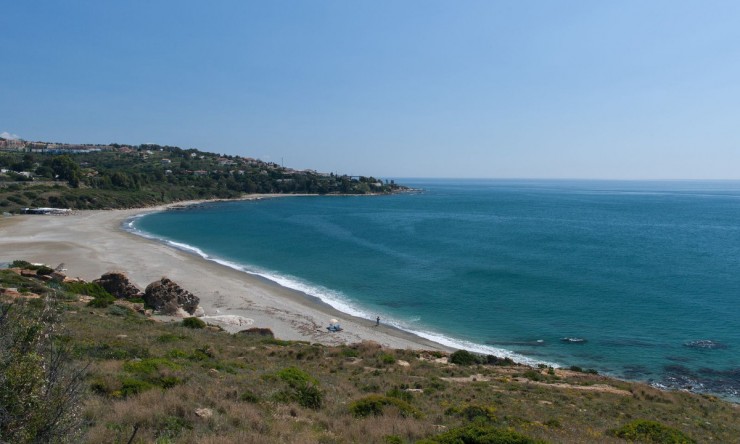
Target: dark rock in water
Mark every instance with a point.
(119, 286)
(705, 380)
(536, 343)
(679, 358)
(573, 340)
(636, 371)
(256, 331)
(706, 344)
(167, 296)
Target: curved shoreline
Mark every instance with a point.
(334, 307)
(91, 243)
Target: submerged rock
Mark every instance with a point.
(706, 344)
(167, 297)
(118, 285)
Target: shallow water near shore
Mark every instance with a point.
(638, 280)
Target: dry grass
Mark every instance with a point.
(174, 384)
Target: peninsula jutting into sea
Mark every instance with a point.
(506, 307)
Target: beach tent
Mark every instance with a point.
(334, 325)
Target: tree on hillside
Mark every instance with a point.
(65, 168)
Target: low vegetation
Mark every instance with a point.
(124, 377)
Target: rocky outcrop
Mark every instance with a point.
(167, 297)
(118, 285)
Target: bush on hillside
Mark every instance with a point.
(476, 434)
(652, 432)
(101, 298)
(193, 322)
(20, 264)
(464, 357)
(375, 404)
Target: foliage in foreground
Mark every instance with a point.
(39, 386)
(162, 382)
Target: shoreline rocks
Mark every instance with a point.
(118, 285)
(167, 297)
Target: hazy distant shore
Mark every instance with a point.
(91, 243)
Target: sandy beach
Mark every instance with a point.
(91, 243)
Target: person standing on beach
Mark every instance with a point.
(377, 321)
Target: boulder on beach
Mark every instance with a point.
(167, 297)
(118, 285)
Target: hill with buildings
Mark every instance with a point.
(45, 174)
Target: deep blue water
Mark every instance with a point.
(647, 273)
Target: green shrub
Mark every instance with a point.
(133, 386)
(393, 439)
(533, 375)
(435, 383)
(400, 394)
(464, 357)
(86, 288)
(279, 342)
(249, 396)
(303, 388)
(348, 352)
(167, 381)
(44, 271)
(117, 310)
(17, 199)
(374, 404)
(148, 366)
(101, 298)
(193, 322)
(171, 427)
(101, 301)
(651, 432)
(309, 396)
(176, 354)
(387, 359)
(473, 412)
(168, 337)
(102, 350)
(495, 360)
(40, 385)
(296, 377)
(477, 434)
(20, 264)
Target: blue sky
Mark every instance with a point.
(501, 89)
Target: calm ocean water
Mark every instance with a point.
(646, 274)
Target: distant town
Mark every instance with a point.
(89, 176)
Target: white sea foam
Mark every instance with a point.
(337, 300)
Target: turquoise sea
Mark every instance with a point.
(639, 280)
